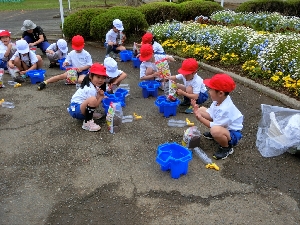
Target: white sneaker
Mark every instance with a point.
(90, 126)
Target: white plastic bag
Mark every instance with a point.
(278, 131)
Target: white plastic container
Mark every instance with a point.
(127, 119)
(202, 155)
(9, 105)
(176, 123)
(12, 83)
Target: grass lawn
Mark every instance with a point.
(54, 4)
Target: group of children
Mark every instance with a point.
(222, 117)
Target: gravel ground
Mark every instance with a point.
(53, 172)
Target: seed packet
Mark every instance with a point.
(163, 68)
(71, 76)
(172, 96)
(114, 117)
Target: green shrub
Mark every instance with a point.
(134, 22)
(157, 12)
(262, 6)
(292, 8)
(181, 1)
(189, 10)
(79, 22)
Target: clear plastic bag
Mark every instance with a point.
(278, 131)
(191, 137)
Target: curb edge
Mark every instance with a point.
(286, 100)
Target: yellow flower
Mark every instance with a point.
(275, 78)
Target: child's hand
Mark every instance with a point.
(11, 65)
(180, 92)
(155, 74)
(79, 70)
(65, 63)
(100, 92)
(9, 46)
(171, 59)
(195, 106)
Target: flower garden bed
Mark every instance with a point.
(270, 58)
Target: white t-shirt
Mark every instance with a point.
(84, 93)
(145, 65)
(25, 58)
(226, 115)
(157, 48)
(196, 83)
(79, 59)
(54, 48)
(3, 49)
(111, 36)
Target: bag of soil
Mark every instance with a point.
(191, 137)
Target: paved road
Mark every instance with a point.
(54, 172)
(48, 19)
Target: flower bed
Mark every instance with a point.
(264, 55)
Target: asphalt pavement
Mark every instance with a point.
(54, 172)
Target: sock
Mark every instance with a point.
(89, 111)
(108, 49)
(45, 82)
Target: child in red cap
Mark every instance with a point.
(192, 87)
(88, 97)
(148, 70)
(148, 38)
(80, 60)
(222, 117)
(7, 48)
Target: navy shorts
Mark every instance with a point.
(83, 72)
(114, 48)
(75, 112)
(202, 97)
(235, 137)
(3, 64)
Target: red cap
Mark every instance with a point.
(188, 66)
(98, 69)
(146, 52)
(4, 33)
(220, 82)
(147, 38)
(77, 42)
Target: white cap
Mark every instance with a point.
(118, 24)
(111, 67)
(62, 45)
(22, 46)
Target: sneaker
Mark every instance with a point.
(19, 79)
(42, 86)
(208, 135)
(185, 102)
(223, 152)
(189, 110)
(90, 126)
